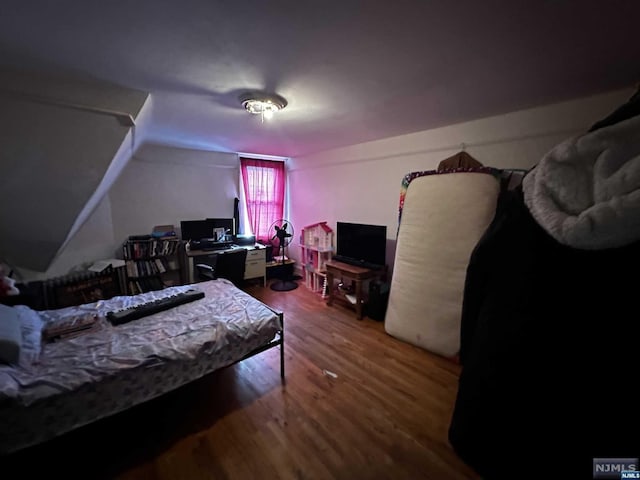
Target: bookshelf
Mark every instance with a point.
(153, 264)
(316, 243)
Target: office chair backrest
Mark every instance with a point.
(231, 265)
(205, 272)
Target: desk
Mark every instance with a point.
(255, 265)
(357, 275)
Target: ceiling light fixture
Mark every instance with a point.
(263, 104)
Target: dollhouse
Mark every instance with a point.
(316, 242)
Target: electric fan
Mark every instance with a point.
(283, 235)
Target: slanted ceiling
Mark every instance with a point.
(59, 142)
(351, 71)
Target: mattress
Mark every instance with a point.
(443, 215)
(82, 379)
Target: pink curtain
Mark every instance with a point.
(263, 182)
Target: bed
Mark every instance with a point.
(60, 385)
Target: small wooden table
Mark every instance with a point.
(357, 275)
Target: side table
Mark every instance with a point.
(357, 275)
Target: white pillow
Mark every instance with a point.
(30, 327)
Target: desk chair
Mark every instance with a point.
(229, 265)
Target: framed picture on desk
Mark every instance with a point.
(219, 234)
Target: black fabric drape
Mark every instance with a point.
(236, 215)
(549, 347)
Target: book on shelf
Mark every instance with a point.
(136, 250)
(152, 263)
(145, 284)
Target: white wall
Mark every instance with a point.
(160, 185)
(54, 161)
(164, 185)
(57, 145)
(361, 183)
(93, 241)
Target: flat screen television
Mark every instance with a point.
(361, 244)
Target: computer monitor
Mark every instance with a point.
(195, 230)
(229, 224)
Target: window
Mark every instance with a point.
(263, 182)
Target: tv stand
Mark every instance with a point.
(357, 275)
(358, 263)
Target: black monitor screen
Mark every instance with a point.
(229, 224)
(195, 230)
(358, 243)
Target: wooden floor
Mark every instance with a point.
(385, 414)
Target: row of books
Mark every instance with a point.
(134, 250)
(145, 268)
(141, 285)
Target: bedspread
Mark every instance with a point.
(226, 316)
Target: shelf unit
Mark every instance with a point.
(316, 243)
(153, 264)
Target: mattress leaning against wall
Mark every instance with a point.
(443, 215)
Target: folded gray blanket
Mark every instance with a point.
(586, 191)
